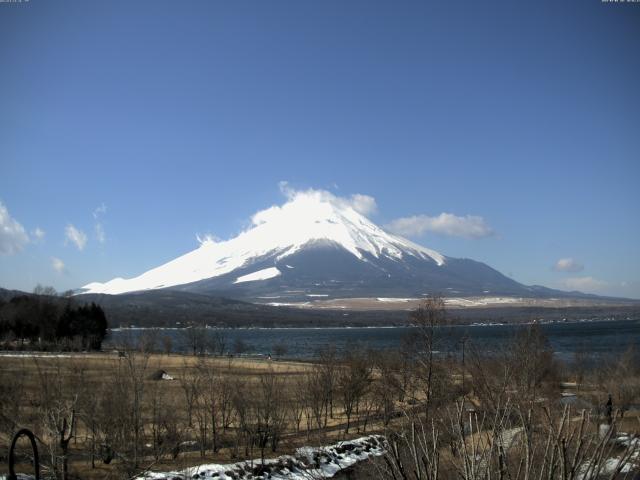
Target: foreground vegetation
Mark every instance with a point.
(484, 415)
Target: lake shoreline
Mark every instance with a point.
(393, 326)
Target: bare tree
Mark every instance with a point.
(317, 398)
(620, 378)
(132, 373)
(190, 384)
(217, 342)
(193, 338)
(270, 411)
(388, 385)
(327, 365)
(58, 405)
(532, 363)
(298, 404)
(240, 346)
(149, 340)
(353, 381)
(214, 401)
(280, 349)
(167, 344)
(429, 315)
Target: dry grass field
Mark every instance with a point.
(79, 381)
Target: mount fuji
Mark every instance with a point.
(317, 245)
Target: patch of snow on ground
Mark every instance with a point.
(390, 300)
(630, 458)
(34, 355)
(479, 301)
(308, 462)
(286, 304)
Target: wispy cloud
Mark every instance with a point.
(567, 265)
(584, 284)
(58, 265)
(13, 236)
(75, 236)
(98, 213)
(100, 235)
(101, 210)
(206, 238)
(38, 235)
(469, 226)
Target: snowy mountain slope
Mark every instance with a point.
(277, 233)
(318, 245)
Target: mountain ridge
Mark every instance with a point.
(173, 309)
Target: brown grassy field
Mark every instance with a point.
(88, 375)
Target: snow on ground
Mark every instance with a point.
(479, 301)
(458, 301)
(308, 462)
(34, 355)
(287, 304)
(264, 274)
(392, 300)
(630, 459)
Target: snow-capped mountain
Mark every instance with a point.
(316, 245)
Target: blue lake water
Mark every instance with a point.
(591, 337)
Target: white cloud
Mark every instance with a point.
(568, 265)
(584, 284)
(13, 236)
(75, 236)
(469, 226)
(38, 234)
(100, 235)
(286, 189)
(99, 226)
(206, 238)
(101, 210)
(58, 265)
(363, 204)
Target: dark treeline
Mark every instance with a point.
(45, 320)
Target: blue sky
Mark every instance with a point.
(181, 118)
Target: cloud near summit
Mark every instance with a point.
(468, 226)
(361, 203)
(311, 198)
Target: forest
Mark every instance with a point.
(47, 321)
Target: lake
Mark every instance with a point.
(592, 337)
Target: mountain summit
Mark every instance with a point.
(317, 245)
